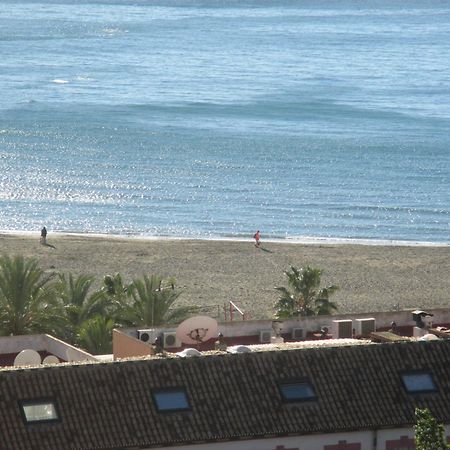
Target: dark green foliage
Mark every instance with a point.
(152, 302)
(80, 304)
(305, 297)
(29, 300)
(69, 308)
(95, 335)
(429, 434)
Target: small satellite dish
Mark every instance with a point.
(197, 329)
(50, 359)
(189, 352)
(27, 357)
(429, 337)
(239, 349)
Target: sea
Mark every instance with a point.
(211, 119)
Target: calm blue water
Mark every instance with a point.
(215, 118)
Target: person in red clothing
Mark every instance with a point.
(257, 238)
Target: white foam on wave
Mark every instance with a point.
(59, 81)
(361, 241)
(112, 30)
(83, 78)
(290, 241)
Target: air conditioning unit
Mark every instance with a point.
(146, 335)
(170, 339)
(342, 329)
(363, 327)
(297, 334)
(265, 336)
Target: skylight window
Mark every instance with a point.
(35, 411)
(171, 400)
(416, 382)
(296, 391)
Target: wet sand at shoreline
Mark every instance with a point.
(211, 273)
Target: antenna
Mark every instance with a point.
(27, 357)
(197, 329)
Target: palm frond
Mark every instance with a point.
(304, 298)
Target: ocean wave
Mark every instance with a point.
(299, 240)
(215, 117)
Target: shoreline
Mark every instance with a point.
(303, 240)
(210, 273)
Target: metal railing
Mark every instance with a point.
(231, 308)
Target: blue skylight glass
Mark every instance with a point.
(297, 391)
(171, 400)
(418, 382)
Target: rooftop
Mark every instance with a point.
(282, 389)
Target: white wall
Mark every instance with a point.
(43, 342)
(382, 319)
(389, 435)
(311, 442)
(253, 327)
(65, 351)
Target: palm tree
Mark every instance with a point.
(117, 294)
(152, 302)
(95, 335)
(305, 298)
(80, 305)
(28, 298)
(114, 287)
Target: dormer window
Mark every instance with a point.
(418, 382)
(295, 391)
(168, 400)
(38, 411)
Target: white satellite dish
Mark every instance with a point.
(50, 359)
(197, 329)
(27, 357)
(429, 337)
(239, 349)
(189, 352)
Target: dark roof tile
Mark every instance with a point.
(232, 396)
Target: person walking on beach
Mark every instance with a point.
(44, 235)
(257, 238)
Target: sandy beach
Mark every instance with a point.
(211, 273)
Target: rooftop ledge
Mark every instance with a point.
(273, 347)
